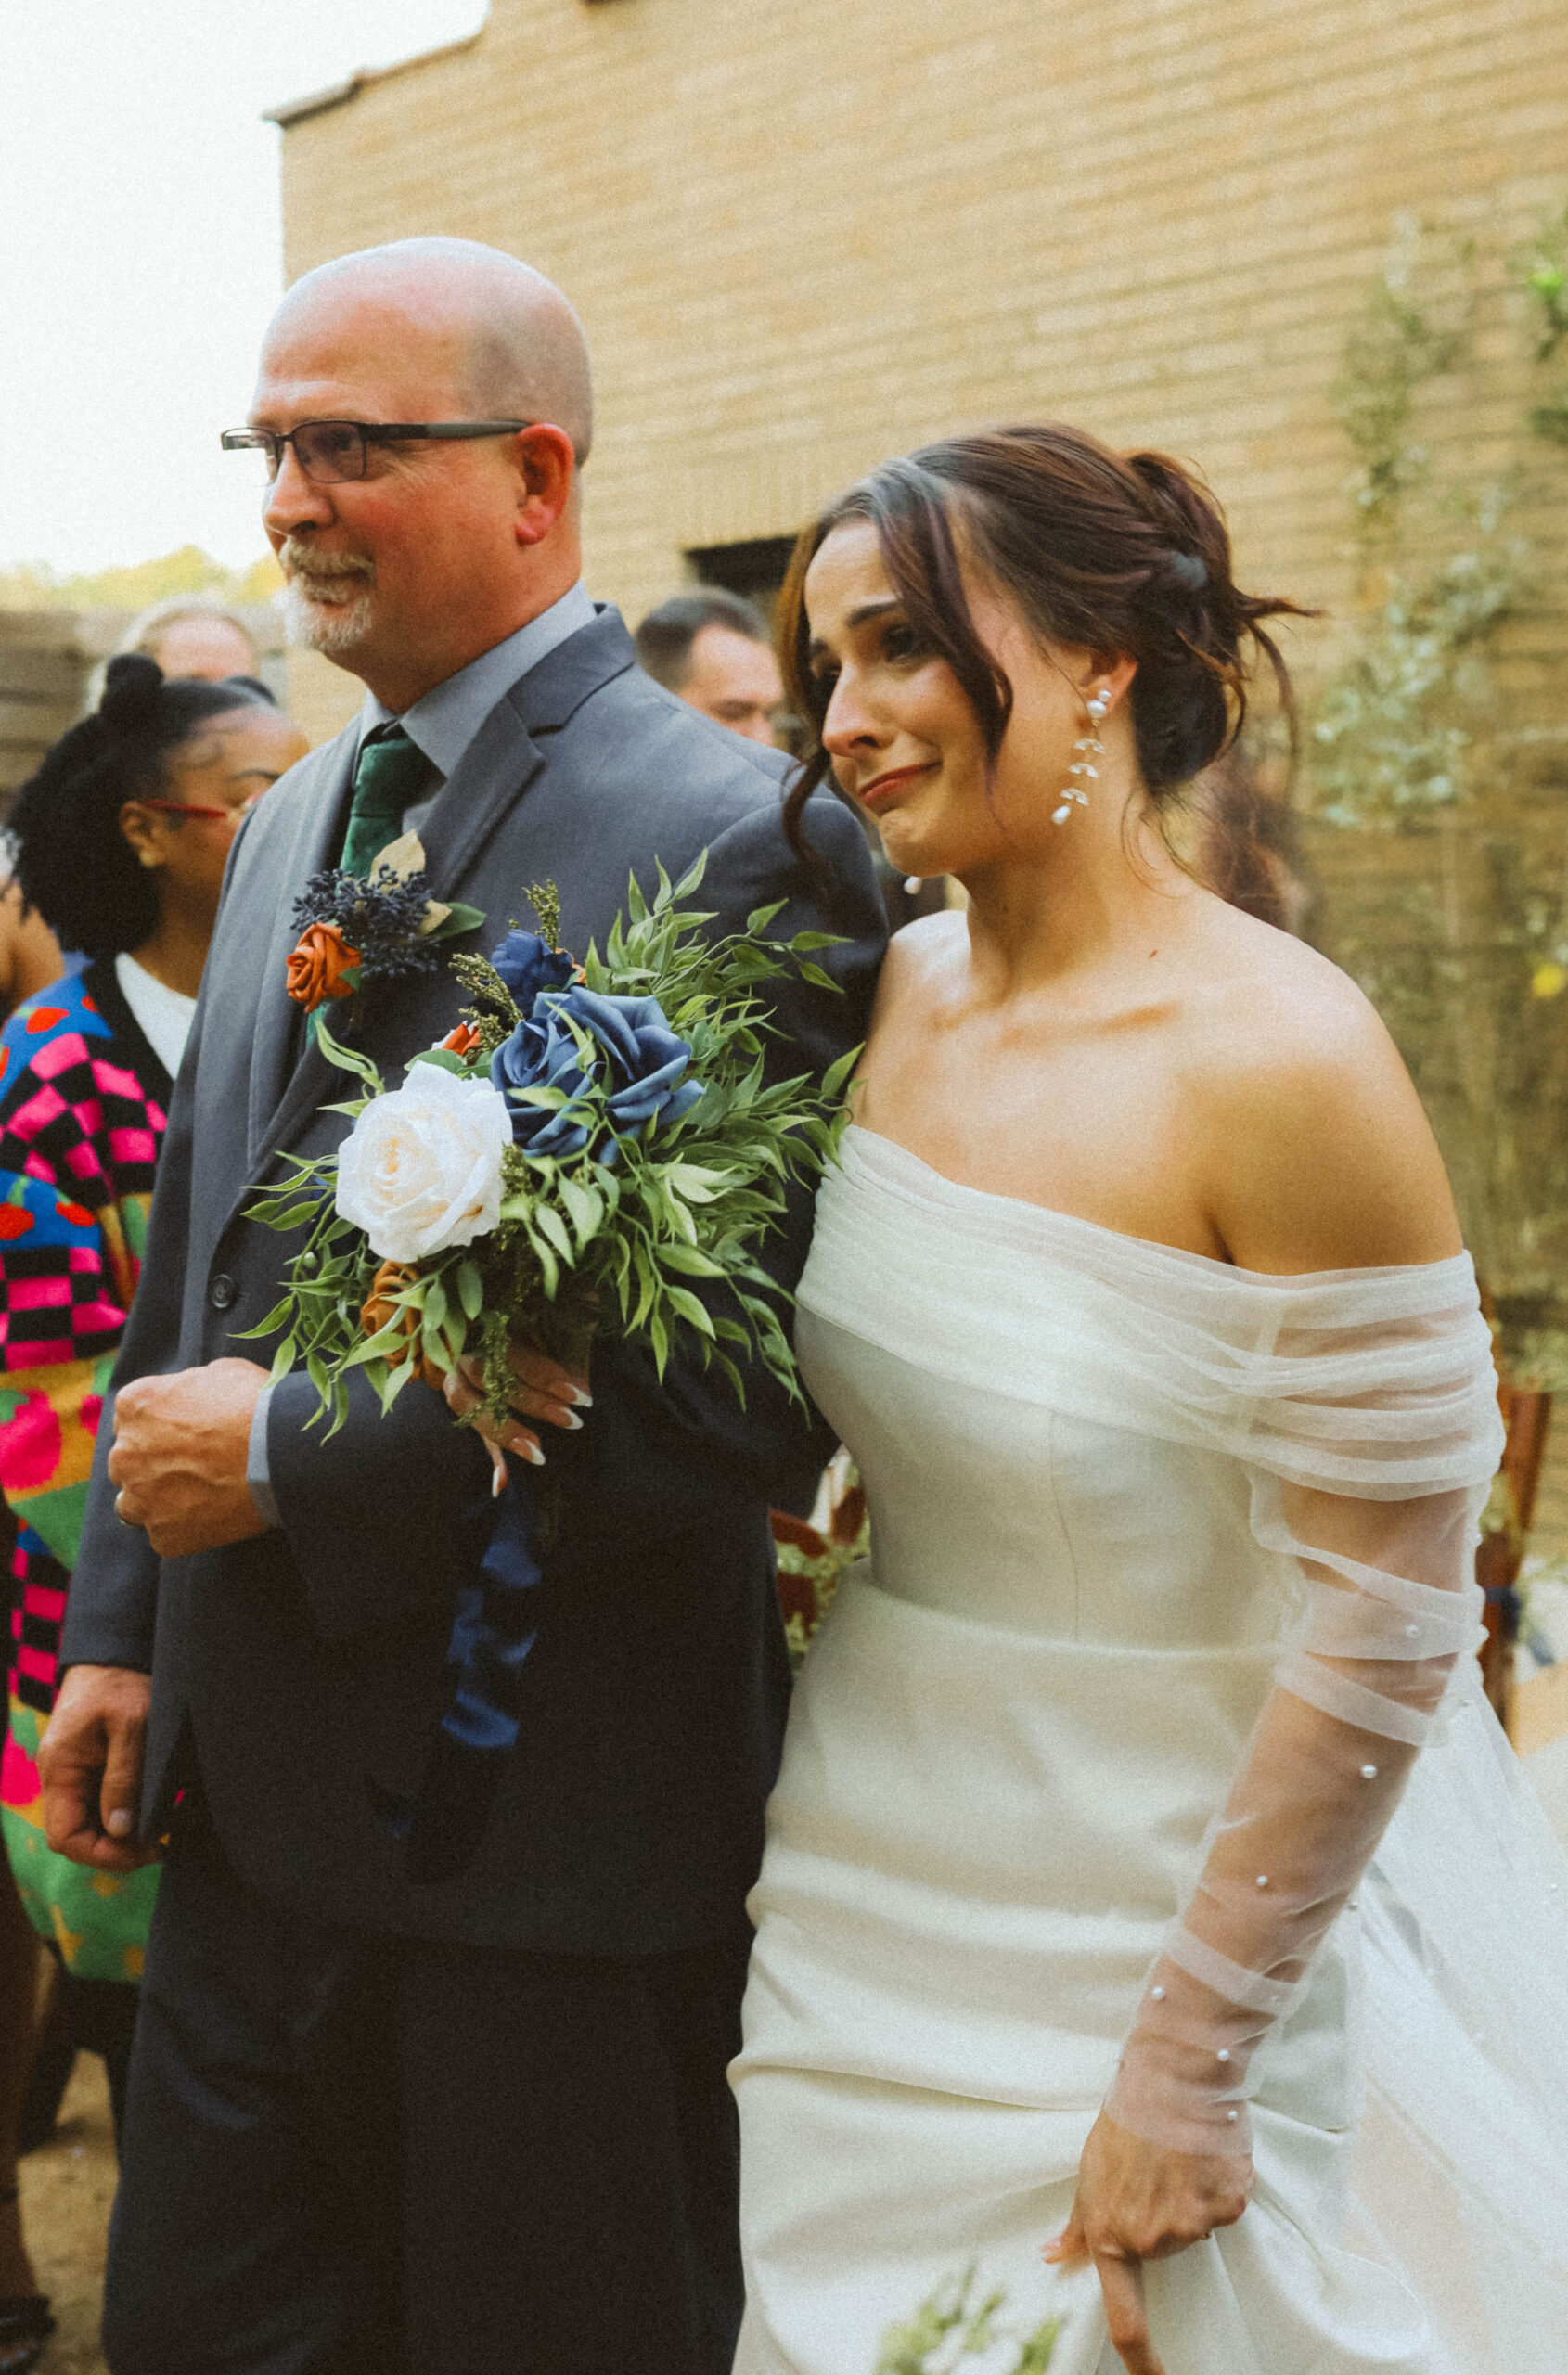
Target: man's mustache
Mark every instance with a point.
(299, 559)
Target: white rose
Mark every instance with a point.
(421, 1168)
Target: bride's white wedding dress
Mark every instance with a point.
(1095, 1465)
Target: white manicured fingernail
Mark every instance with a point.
(581, 1399)
(569, 1420)
(119, 1823)
(532, 1453)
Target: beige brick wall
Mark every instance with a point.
(807, 233)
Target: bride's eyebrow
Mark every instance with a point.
(862, 614)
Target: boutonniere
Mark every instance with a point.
(381, 929)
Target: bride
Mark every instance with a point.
(1110, 1935)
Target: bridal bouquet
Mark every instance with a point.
(592, 1144)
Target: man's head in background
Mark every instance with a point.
(188, 634)
(712, 648)
(192, 636)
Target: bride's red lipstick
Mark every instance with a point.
(880, 786)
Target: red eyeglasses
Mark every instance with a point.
(191, 808)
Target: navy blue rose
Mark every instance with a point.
(648, 1062)
(542, 1053)
(528, 965)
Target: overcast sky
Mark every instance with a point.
(140, 254)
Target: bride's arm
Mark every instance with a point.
(1370, 1441)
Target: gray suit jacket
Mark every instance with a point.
(292, 1669)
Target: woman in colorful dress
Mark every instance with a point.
(121, 842)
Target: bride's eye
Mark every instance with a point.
(901, 641)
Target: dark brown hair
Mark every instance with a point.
(664, 639)
(1117, 554)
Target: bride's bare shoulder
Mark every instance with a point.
(1322, 1155)
(921, 958)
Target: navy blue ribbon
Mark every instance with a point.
(494, 1628)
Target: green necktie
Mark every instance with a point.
(391, 773)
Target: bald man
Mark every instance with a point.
(467, 2112)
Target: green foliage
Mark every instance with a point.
(1393, 735)
(1541, 1360)
(1389, 352)
(1387, 738)
(1541, 273)
(951, 2325)
(545, 900)
(33, 586)
(661, 1245)
(1460, 936)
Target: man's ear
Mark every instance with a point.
(546, 465)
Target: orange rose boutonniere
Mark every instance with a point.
(387, 929)
(318, 968)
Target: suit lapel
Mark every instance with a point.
(282, 1052)
(492, 774)
(504, 757)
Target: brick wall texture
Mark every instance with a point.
(807, 233)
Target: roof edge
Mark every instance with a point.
(288, 113)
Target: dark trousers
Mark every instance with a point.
(357, 2155)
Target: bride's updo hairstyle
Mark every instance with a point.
(1123, 555)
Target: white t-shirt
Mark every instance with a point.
(163, 1014)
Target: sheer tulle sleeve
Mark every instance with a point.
(1371, 1439)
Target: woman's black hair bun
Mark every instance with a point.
(132, 694)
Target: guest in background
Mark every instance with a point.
(712, 649)
(188, 634)
(121, 842)
(30, 960)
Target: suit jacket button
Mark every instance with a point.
(223, 1293)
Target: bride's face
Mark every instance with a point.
(904, 741)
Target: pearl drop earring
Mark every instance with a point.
(1081, 766)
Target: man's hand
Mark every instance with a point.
(1136, 2201)
(91, 1768)
(180, 1446)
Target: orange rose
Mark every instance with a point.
(379, 1310)
(320, 960)
(463, 1041)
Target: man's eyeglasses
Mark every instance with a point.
(332, 450)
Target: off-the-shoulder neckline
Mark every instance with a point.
(1071, 1222)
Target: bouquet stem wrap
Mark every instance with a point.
(494, 1628)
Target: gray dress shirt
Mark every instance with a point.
(441, 723)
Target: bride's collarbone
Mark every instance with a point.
(1121, 1164)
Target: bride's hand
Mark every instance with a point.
(541, 1388)
(1136, 2201)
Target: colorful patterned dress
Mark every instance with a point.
(83, 1102)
